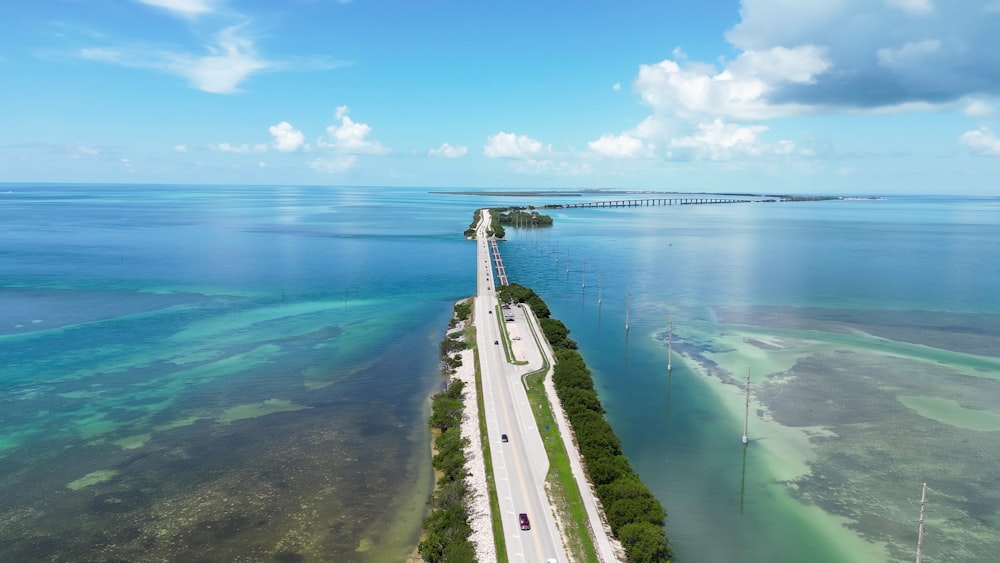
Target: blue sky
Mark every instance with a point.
(825, 96)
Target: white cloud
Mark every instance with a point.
(509, 145)
(981, 142)
(350, 137)
(617, 86)
(978, 108)
(262, 164)
(720, 141)
(693, 104)
(286, 137)
(931, 60)
(226, 62)
(912, 6)
(447, 150)
(241, 149)
(334, 165)
(621, 146)
(727, 141)
(741, 90)
(186, 8)
(181, 148)
(808, 58)
(231, 60)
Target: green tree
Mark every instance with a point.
(605, 469)
(556, 333)
(645, 543)
(463, 309)
(446, 412)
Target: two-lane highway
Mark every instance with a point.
(520, 464)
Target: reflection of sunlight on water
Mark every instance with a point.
(289, 205)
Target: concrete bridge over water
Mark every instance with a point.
(646, 202)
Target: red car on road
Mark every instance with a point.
(523, 518)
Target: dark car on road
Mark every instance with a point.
(523, 519)
(503, 438)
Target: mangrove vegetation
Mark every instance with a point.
(636, 517)
(446, 528)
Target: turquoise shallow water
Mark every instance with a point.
(220, 372)
(225, 372)
(840, 308)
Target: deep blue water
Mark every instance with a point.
(219, 372)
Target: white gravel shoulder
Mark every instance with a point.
(479, 497)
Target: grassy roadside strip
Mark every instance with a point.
(636, 517)
(504, 337)
(491, 484)
(563, 488)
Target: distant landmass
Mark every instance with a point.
(515, 194)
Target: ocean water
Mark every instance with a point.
(220, 373)
(869, 329)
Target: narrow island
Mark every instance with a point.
(463, 523)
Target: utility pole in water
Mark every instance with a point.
(920, 526)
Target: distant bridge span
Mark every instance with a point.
(648, 202)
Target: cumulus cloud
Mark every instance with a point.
(880, 54)
(447, 150)
(981, 142)
(350, 137)
(807, 58)
(344, 141)
(185, 8)
(510, 145)
(697, 108)
(286, 137)
(741, 90)
(620, 146)
(723, 141)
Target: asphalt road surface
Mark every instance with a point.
(520, 464)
